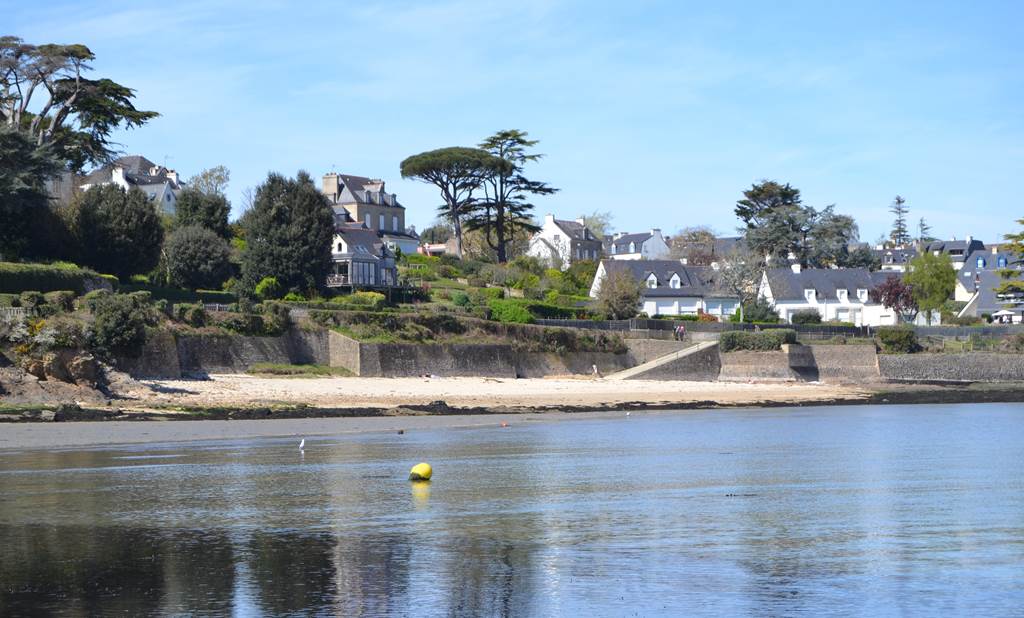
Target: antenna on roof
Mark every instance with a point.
(165, 159)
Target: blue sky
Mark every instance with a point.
(659, 112)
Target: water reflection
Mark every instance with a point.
(802, 511)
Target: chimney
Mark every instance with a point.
(582, 221)
(968, 239)
(656, 233)
(995, 249)
(117, 175)
(549, 218)
(795, 267)
(330, 186)
(172, 176)
(619, 235)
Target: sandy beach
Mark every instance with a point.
(244, 390)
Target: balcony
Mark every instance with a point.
(334, 281)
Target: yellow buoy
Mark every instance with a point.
(420, 472)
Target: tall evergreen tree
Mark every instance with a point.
(117, 231)
(924, 231)
(900, 234)
(208, 210)
(24, 169)
(288, 234)
(504, 211)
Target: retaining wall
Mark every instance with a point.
(646, 350)
(761, 366)
(967, 367)
(846, 363)
(700, 366)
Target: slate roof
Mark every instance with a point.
(787, 285)
(890, 257)
(361, 240)
(947, 246)
(988, 301)
(363, 190)
(622, 243)
(136, 172)
(693, 280)
(720, 247)
(991, 260)
(575, 230)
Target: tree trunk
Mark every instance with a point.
(457, 228)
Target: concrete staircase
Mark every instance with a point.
(697, 362)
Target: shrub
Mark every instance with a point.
(765, 341)
(294, 297)
(63, 300)
(371, 300)
(898, 339)
(509, 311)
(268, 289)
(196, 257)
(119, 325)
(191, 314)
(459, 298)
(31, 299)
(706, 317)
(757, 311)
(806, 316)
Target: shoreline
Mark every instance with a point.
(34, 427)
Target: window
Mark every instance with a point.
(652, 281)
(613, 248)
(809, 295)
(632, 247)
(674, 282)
(981, 263)
(1001, 262)
(862, 295)
(394, 223)
(842, 295)
(366, 220)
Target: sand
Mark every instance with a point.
(243, 390)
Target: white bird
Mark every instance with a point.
(302, 444)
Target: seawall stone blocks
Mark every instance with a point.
(967, 367)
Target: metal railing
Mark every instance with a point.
(11, 313)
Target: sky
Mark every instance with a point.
(660, 112)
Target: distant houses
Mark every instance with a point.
(560, 243)
(365, 201)
(160, 184)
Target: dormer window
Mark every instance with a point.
(613, 248)
(862, 295)
(652, 281)
(842, 295)
(674, 282)
(1001, 262)
(981, 263)
(632, 247)
(809, 295)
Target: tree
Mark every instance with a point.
(440, 232)
(195, 257)
(211, 181)
(696, 245)
(896, 295)
(208, 210)
(739, 274)
(76, 115)
(598, 222)
(116, 231)
(619, 296)
(900, 234)
(457, 172)
(924, 231)
(933, 280)
(505, 209)
(1012, 285)
(778, 225)
(24, 169)
(861, 257)
(288, 234)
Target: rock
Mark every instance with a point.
(54, 369)
(84, 370)
(34, 368)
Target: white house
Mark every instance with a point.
(644, 246)
(670, 288)
(360, 258)
(561, 243)
(161, 185)
(837, 294)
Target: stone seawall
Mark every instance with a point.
(846, 363)
(646, 350)
(699, 366)
(766, 366)
(967, 367)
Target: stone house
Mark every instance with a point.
(366, 201)
(160, 184)
(561, 243)
(670, 288)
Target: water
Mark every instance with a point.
(810, 511)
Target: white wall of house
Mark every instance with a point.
(654, 248)
(854, 308)
(553, 246)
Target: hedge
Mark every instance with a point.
(16, 278)
(765, 341)
(898, 339)
(806, 316)
(509, 311)
(175, 295)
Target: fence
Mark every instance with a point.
(809, 331)
(12, 313)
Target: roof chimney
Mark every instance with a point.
(549, 218)
(581, 221)
(795, 267)
(330, 186)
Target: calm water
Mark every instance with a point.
(813, 511)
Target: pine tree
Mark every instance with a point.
(900, 235)
(924, 231)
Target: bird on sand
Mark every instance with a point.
(302, 444)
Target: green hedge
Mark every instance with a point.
(509, 311)
(765, 341)
(806, 316)
(16, 278)
(898, 339)
(175, 295)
